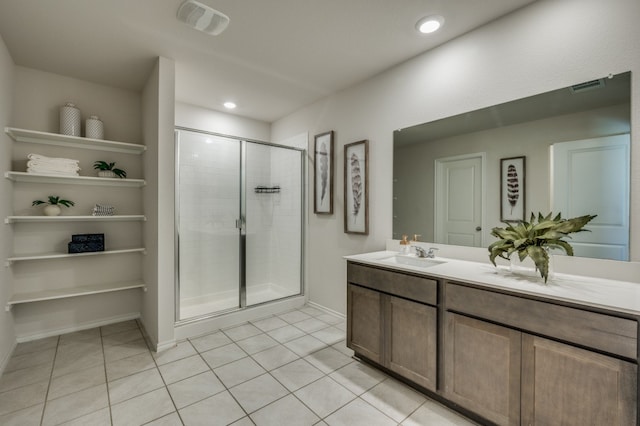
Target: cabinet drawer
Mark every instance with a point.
(408, 286)
(599, 331)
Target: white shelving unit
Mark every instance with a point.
(73, 180)
(53, 139)
(62, 293)
(45, 138)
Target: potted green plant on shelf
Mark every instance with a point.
(109, 170)
(53, 205)
(535, 238)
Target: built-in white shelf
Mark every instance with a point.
(42, 219)
(46, 138)
(74, 180)
(46, 256)
(62, 293)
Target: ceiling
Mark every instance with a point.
(274, 57)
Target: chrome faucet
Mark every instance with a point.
(420, 252)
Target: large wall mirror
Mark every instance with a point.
(564, 151)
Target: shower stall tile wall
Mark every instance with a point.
(215, 190)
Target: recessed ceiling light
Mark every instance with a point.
(430, 24)
(229, 105)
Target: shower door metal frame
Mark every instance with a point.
(240, 223)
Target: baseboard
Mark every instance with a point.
(79, 327)
(325, 309)
(7, 357)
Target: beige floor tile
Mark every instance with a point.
(310, 325)
(305, 345)
(285, 411)
(194, 389)
(245, 421)
(342, 347)
(77, 381)
(91, 335)
(75, 405)
(98, 418)
(29, 416)
(223, 355)
(137, 384)
(324, 396)
(286, 334)
(258, 392)
(36, 345)
(359, 413)
(358, 377)
(122, 337)
(183, 368)
(106, 330)
(395, 399)
(28, 360)
(142, 409)
(242, 331)
(268, 324)
(328, 360)
(257, 343)
(329, 335)
(330, 319)
(23, 397)
(25, 376)
(432, 413)
(220, 409)
(77, 356)
(131, 365)
(294, 316)
(275, 357)
(210, 341)
(309, 310)
(181, 350)
(169, 420)
(238, 372)
(296, 374)
(115, 353)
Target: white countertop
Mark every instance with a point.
(595, 292)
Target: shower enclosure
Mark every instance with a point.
(239, 223)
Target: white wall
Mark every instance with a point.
(7, 333)
(545, 46)
(194, 117)
(159, 170)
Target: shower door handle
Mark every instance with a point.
(241, 223)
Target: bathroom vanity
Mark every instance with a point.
(503, 350)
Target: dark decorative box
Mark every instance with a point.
(84, 243)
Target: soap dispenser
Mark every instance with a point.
(405, 248)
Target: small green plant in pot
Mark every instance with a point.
(109, 170)
(53, 205)
(534, 238)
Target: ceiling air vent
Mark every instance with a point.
(202, 17)
(587, 85)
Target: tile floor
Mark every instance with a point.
(289, 369)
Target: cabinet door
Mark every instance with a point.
(364, 322)
(565, 385)
(410, 344)
(482, 368)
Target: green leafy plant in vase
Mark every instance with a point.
(109, 170)
(535, 238)
(53, 205)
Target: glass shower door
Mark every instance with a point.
(208, 206)
(273, 228)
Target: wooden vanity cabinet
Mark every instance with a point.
(510, 376)
(390, 322)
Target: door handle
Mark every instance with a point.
(478, 228)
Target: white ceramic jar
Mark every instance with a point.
(94, 128)
(70, 120)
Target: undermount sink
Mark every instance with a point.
(420, 262)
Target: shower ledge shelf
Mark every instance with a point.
(63, 293)
(73, 180)
(38, 219)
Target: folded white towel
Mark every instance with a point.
(38, 157)
(52, 166)
(52, 172)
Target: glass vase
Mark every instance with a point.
(527, 268)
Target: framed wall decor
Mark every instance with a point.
(512, 189)
(323, 173)
(356, 188)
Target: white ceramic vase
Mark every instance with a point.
(94, 128)
(70, 120)
(107, 174)
(52, 210)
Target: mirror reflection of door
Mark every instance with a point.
(459, 186)
(591, 176)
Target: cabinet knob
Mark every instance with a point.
(478, 228)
